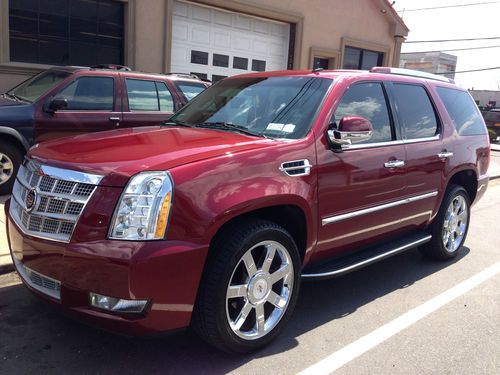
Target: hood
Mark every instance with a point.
(7, 102)
(119, 154)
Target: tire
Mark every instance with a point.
(238, 284)
(10, 160)
(449, 236)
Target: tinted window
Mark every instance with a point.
(258, 65)
(142, 95)
(415, 111)
(38, 85)
(166, 101)
(221, 60)
(89, 93)
(189, 89)
(240, 63)
(357, 58)
(367, 100)
(199, 57)
(78, 32)
(462, 110)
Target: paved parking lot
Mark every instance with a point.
(335, 316)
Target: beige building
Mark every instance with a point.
(211, 38)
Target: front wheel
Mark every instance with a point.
(10, 160)
(450, 226)
(249, 288)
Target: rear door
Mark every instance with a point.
(91, 107)
(426, 157)
(147, 102)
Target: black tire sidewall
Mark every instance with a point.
(16, 156)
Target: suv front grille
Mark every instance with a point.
(58, 202)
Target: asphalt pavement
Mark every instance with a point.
(370, 320)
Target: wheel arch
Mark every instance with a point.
(468, 179)
(14, 137)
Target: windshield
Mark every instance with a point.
(38, 85)
(276, 107)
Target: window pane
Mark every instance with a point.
(258, 65)
(240, 63)
(199, 57)
(319, 63)
(216, 78)
(89, 93)
(462, 110)
(142, 95)
(416, 111)
(166, 101)
(367, 100)
(45, 31)
(221, 60)
(190, 89)
(352, 57)
(371, 59)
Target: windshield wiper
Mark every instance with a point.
(229, 126)
(177, 122)
(16, 97)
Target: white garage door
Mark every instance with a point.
(215, 43)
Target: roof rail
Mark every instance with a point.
(185, 75)
(410, 72)
(112, 67)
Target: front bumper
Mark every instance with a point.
(167, 273)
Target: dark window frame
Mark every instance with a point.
(380, 59)
(241, 59)
(254, 61)
(224, 65)
(194, 57)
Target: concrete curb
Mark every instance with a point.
(6, 268)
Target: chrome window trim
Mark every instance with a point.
(336, 218)
(389, 143)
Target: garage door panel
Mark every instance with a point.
(214, 31)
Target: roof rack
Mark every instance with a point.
(410, 72)
(183, 75)
(112, 67)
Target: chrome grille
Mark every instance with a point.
(43, 284)
(61, 196)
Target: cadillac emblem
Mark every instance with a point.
(30, 200)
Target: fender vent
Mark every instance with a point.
(296, 167)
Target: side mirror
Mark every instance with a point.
(57, 104)
(351, 129)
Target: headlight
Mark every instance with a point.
(144, 207)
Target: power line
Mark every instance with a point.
(448, 6)
(470, 71)
(455, 49)
(453, 40)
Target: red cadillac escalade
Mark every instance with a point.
(214, 218)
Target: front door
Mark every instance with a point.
(91, 107)
(362, 187)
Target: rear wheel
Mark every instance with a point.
(449, 228)
(249, 288)
(10, 160)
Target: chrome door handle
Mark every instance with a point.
(114, 119)
(445, 154)
(394, 164)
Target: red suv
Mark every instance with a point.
(262, 180)
(67, 101)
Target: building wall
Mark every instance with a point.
(430, 62)
(485, 96)
(323, 28)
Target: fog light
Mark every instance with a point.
(117, 304)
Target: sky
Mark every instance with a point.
(471, 21)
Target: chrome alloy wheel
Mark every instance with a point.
(259, 290)
(455, 224)
(6, 168)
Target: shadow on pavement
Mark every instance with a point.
(34, 338)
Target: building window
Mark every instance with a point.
(216, 78)
(240, 63)
(320, 63)
(200, 75)
(221, 60)
(199, 57)
(357, 58)
(74, 32)
(258, 65)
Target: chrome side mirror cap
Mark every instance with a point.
(351, 130)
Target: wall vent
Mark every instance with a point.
(296, 167)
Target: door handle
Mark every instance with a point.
(112, 118)
(445, 154)
(394, 164)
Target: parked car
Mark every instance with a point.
(262, 180)
(66, 101)
(492, 120)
